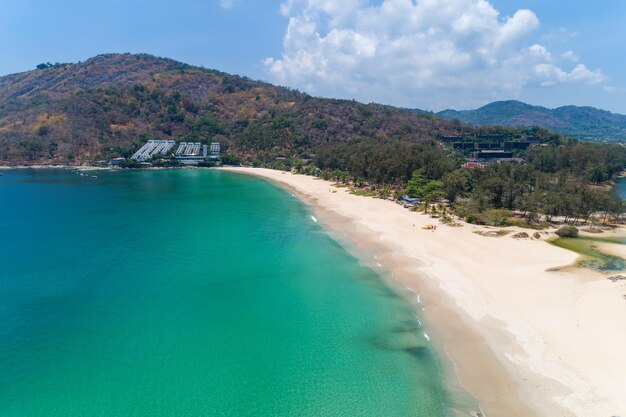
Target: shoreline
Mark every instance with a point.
(78, 167)
(96, 168)
(522, 340)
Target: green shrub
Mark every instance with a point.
(474, 219)
(496, 217)
(567, 231)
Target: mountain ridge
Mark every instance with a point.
(109, 104)
(581, 122)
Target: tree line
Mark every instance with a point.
(569, 181)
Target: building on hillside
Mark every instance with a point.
(494, 138)
(153, 148)
(450, 139)
(215, 150)
(464, 145)
(516, 145)
(190, 153)
(533, 140)
(492, 154)
(181, 148)
(187, 153)
(472, 165)
(519, 161)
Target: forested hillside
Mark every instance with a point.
(109, 104)
(586, 123)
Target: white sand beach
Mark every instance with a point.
(524, 341)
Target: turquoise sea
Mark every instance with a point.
(194, 293)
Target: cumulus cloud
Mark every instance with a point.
(422, 53)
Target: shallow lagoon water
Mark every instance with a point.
(587, 246)
(194, 293)
(593, 257)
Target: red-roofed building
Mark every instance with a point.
(472, 165)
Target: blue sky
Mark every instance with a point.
(429, 54)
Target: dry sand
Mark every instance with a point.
(524, 341)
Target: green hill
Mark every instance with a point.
(585, 123)
(108, 105)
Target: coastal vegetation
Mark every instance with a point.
(562, 181)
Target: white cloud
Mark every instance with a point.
(570, 56)
(424, 53)
(561, 35)
(227, 4)
(549, 73)
(582, 73)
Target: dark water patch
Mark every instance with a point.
(605, 263)
(406, 327)
(418, 352)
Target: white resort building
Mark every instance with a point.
(187, 153)
(153, 148)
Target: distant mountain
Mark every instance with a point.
(587, 123)
(110, 104)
